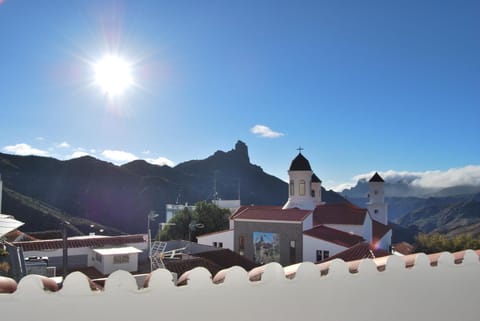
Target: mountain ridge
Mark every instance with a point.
(121, 196)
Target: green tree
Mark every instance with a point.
(212, 217)
(436, 242)
(209, 216)
(178, 230)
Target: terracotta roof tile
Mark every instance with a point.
(95, 241)
(334, 236)
(403, 248)
(363, 250)
(227, 258)
(270, 213)
(379, 230)
(339, 213)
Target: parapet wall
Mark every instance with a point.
(447, 291)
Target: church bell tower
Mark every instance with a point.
(300, 184)
(376, 199)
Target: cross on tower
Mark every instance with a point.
(300, 149)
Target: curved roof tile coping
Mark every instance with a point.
(272, 272)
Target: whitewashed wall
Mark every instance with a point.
(445, 292)
(359, 230)
(311, 245)
(107, 265)
(385, 241)
(226, 237)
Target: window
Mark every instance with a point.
(293, 252)
(301, 188)
(215, 244)
(220, 244)
(292, 188)
(121, 259)
(98, 257)
(322, 255)
(376, 211)
(319, 255)
(241, 245)
(312, 192)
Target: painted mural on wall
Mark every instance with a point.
(266, 247)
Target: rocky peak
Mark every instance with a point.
(241, 150)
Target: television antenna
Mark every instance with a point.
(158, 254)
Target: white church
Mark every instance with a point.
(305, 228)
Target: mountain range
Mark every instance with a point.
(449, 211)
(42, 192)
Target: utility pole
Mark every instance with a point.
(65, 248)
(150, 217)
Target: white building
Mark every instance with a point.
(305, 228)
(105, 253)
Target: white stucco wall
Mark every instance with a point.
(305, 201)
(367, 229)
(385, 241)
(226, 237)
(355, 229)
(308, 222)
(311, 245)
(107, 266)
(445, 292)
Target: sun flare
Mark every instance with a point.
(113, 74)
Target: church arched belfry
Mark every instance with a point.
(305, 189)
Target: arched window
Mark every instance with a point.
(301, 188)
(292, 188)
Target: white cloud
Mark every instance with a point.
(160, 161)
(119, 156)
(24, 149)
(435, 179)
(63, 145)
(40, 138)
(265, 131)
(78, 154)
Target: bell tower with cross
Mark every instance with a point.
(300, 193)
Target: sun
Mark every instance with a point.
(113, 74)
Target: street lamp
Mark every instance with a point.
(150, 217)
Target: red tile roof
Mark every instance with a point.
(379, 230)
(404, 248)
(339, 213)
(94, 241)
(362, 250)
(334, 236)
(270, 213)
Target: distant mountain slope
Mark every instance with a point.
(39, 216)
(450, 219)
(405, 187)
(121, 196)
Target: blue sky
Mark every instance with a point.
(360, 85)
